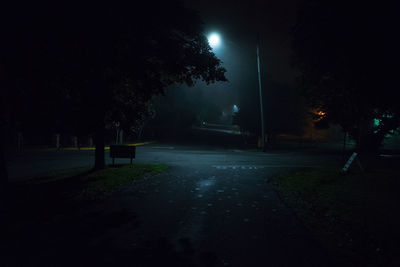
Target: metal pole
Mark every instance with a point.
(344, 145)
(261, 98)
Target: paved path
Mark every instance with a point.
(212, 208)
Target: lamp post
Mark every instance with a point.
(261, 98)
(214, 41)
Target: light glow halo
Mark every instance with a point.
(214, 40)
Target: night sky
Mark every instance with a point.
(238, 23)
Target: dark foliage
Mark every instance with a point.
(79, 66)
(348, 55)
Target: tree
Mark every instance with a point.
(348, 56)
(3, 128)
(91, 64)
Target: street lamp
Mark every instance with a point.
(214, 40)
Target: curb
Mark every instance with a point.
(87, 148)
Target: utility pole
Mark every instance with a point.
(261, 98)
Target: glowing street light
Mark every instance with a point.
(214, 40)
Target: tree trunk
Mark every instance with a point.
(5, 110)
(3, 166)
(3, 174)
(99, 144)
(368, 142)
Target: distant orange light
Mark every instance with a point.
(321, 113)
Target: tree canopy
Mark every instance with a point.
(348, 56)
(88, 64)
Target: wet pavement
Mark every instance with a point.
(212, 208)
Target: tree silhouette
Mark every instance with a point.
(85, 65)
(348, 55)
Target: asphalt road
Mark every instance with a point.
(212, 208)
(35, 163)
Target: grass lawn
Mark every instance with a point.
(74, 186)
(356, 215)
(104, 182)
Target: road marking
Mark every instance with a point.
(236, 167)
(256, 167)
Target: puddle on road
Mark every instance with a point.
(205, 184)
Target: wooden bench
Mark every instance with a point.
(118, 151)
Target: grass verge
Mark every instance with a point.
(104, 182)
(79, 184)
(355, 216)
